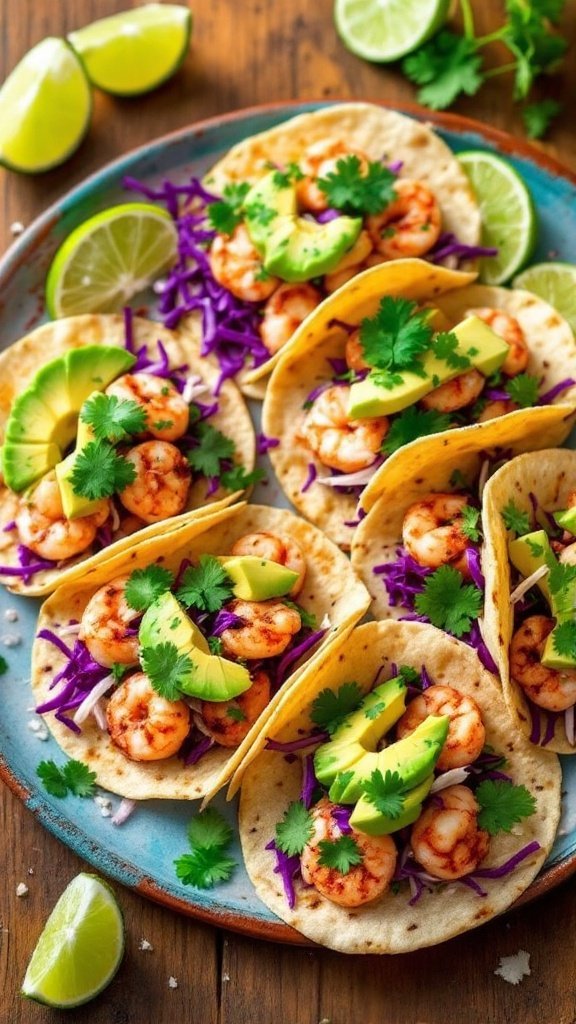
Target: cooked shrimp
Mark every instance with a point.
(283, 550)
(446, 840)
(289, 305)
(230, 721)
(160, 489)
(338, 441)
(237, 266)
(492, 410)
(408, 226)
(106, 626)
(146, 726)
(508, 328)
(466, 733)
(549, 688)
(432, 531)
(456, 393)
(167, 413)
(364, 882)
(265, 630)
(351, 263)
(43, 527)
(319, 160)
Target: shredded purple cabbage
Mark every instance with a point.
(403, 579)
(29, 564)
(193, 753)
(288, 868)
(553, 393)
(509, 865)
(449, 245)
(425, 678)
(472, 556)
(309, 783)
(496, 396)
(80, 674)
(9, 526)
(341, 816)
(295, 653)
(300, 744)
(225, 620)
(327, 215)
(312, 474)
(263, 443)
(356, 522)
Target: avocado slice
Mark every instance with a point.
(291, 247)
(23, 464)
(361, 730)
(566, 518)
(528, 553)
(75, 505)
(210, 677)
(367, 818)
(257, 579)
(485, 350)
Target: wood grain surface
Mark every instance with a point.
(246, 52)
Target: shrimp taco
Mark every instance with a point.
(111, 427)
(159, 667)
(296, 211)
(403, 351)
(530, 565)
(384, 849)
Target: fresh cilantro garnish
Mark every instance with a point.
(260, 213)
(448, 602)
(213, 447)
(204, 868)
(295, 829)
(262, 274)
(515, 519)
(163, 424)
(73, 777)
(227, 213)
(284, 178)
(561, 576)
(329, 709)
(536, 550)
(118, 671)
(99, 471)
(3, 665)
(341, 854)
(215, 644)
(564, 639)
(112, 418)
(445, 67)
(458, 480)
(445, 347)
(209, 829)
(166, 668)
(523, 390)
(373, 712)
(470, 517)
(409, 675)
(205, 586)
(413, 423)
(308, 619)
(237, 479)
(397, 334)
(386, 792)
(235, 713)
(502, 805)
(354, 191)
(145, 585)
(537, 117)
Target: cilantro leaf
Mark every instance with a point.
(397, 334)
(225, 214)
(458, 480)
(215, 644)
(205, 586)
(237, 479)
(213, 446)
(203, 868)
(448, 602)
(295, 829)
(372, 713)
(118, 671)
(502, 805)
(112, 418)
(409, 675)
(445, 347)
(536, 48)
(3, 665)
(536, 550)
(523, 389)
(52, 778)
(561, 576)
(308, 619)
(564, 639)
(208, 829)
(340, 854)
(537, 117)
(515, 519)
(235, 713)
(166, 668)
(445, 67)
(413, 423)
(145, 585)
(354, 191)
(99, 471)
(386, 792)
(283, 178)
(470, 518)
(260, 213)
(73, 777)
(329, 709)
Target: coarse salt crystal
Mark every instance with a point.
(145, 945)
(39, 728)
(16, 227)
(12, 640)
(21, 889)
(172, 982)
(11, 615)
(513, 968)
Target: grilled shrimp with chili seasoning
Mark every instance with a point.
(410, 225)
(446, 840)
(339, 442)
(236, 265)
(161, 484)
(230, 721)
(106, 625)
(43, 527)
(167, 414)
(264, 631)
(432, 531)
(144, 725)
(283, 550)
(455, 394)
(550, 688)
(285, 310)
(466, 732)
(507, 328)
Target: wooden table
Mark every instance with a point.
(244, 54)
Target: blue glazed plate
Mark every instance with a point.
(141, 852)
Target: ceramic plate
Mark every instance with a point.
(141, 852)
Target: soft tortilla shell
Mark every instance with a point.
(551, 477)
(391, 925)
(331, 588)
(20, 363)
(426, 466)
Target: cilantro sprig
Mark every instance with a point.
(73, 777)
(295, 829)
(396, 335)
(564, 639)
(538, 117)
(113, 419)
(523, 390)
(166, 668)
(356, 190)
(445, 347)
(515, 519)
(212, 448)
(238, 478)
(210, 836)
(341, 854)
(330, 708)
(502, 805)
(448, 601)
(205, 586)
(144, 586)
(470, 518)
(225, 214)
(412, 423)
(99, 471)
(386, 792)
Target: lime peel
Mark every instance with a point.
(555, 283)
(386, 30)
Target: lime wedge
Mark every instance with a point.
(110, 258)
(133, 52)
(554, 282)
(45, 106)
(385, 30)
(508, 215)
(81, 947)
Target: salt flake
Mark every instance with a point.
(21, 889)
(172, 982)
(146, 946)
(514, 968)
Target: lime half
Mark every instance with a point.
(385, 30)
(45, 106)
(133, 52)
(81, 947)
(110, 258)
(554, 282)
(508, 215)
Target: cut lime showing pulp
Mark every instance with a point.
(81, 947)
(508, 215)
(385, 30)
(45, 106)
(133, 52)
(110, 258)
(554, 282)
